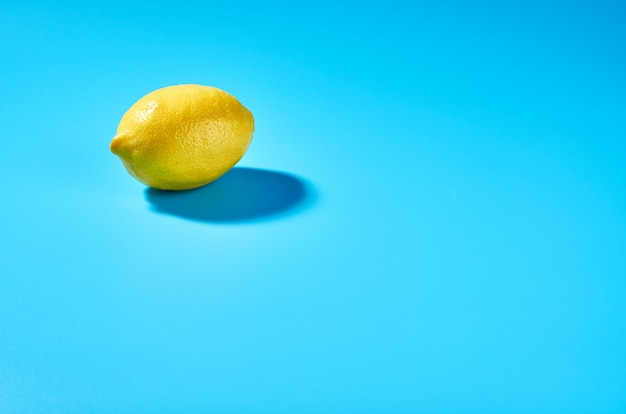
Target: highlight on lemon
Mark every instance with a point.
(183, 136)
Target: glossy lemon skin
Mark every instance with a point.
(183, 136)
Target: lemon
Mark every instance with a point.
(183, 136)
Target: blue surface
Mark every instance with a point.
(431, 217)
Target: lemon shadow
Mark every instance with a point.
(241, 195)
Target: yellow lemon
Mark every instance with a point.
(183, 136)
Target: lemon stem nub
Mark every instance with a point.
(119, 144)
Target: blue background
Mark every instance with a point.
(431, 217)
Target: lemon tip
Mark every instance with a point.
(117, 144)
